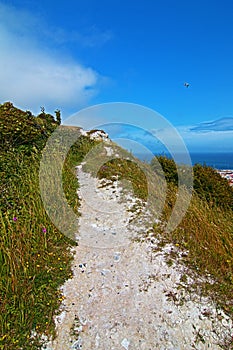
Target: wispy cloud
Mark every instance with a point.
(31, 74)
(157, 140)
(136, 134)
(214, 136)
(222, 124)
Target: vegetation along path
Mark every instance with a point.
(123, 293)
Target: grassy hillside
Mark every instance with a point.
(206, 231)
(35, 257)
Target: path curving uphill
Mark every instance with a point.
(123, 294)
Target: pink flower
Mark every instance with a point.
(15, 218)
(44, 230)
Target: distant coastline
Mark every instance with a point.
(220, 161)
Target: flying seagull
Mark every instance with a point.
(186, 84)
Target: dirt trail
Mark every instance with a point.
(123, 294)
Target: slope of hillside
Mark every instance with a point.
(124, 293)
(36, 258)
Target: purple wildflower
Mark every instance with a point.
(104, 167)
(15, 218)
(44, 230)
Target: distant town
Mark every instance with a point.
(227, 174)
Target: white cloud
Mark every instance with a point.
(31, 75)
(209, 141)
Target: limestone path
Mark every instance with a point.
(123, 294)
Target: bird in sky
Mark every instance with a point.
(186, 84)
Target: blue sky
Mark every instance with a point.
(74, 54)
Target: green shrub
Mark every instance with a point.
(34, 256)
(207, 182)
(22, 129)
(209, 185)
(169, 169)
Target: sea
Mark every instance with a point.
(218, 160)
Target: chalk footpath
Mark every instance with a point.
(123, 294)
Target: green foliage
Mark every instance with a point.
(34, 256)
(75, 155)
(206, 231)
(58, 116)
(163, 165)
(206, 236)
(208, 184)
(22, 129)
(125, 169)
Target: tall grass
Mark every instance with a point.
(35, 256)
(34, 259)
(206, 232)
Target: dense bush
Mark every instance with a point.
(209, 185)
(169, 169)
(207, 182)
(206, 230)
(22, 129)
(22, 137)
(34, 255)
